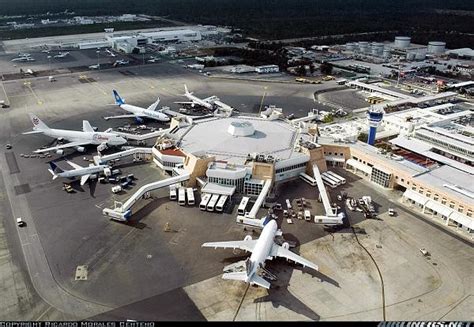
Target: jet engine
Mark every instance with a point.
(60, 152)
(139, 120)
(248, 238)
(80, 149)
(101, 147)
(285, 245)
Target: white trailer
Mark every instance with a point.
(221, 203)
(212, 202)
(190, 195)
(204, 201)
(182, 196)
(243, 205)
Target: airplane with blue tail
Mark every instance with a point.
(137, 112)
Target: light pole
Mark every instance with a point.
(49, 58)
(98, 64)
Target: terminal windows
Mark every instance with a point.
(443, 201)
(451, 205)
(380, 177)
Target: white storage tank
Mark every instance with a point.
(436, 47)
(377, 49)
(411, 56)
(363, 46)
(402, 42)
(350, 46)
(420, 56)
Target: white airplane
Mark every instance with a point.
(262, 249)
(194, 100)
(77, 138)
(23, 54)
(137, 112)
(22, 59)
(78, 171)
(122, 62)
(110, 53)
(212, 103)
(96, 66)
(153, 59)
(61, 55)
(29, 71)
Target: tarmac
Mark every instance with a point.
(135, 268)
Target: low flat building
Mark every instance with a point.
(449, 189)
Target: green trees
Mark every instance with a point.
(326, 68)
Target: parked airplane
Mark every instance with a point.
(262, 249)
(22, 59)
(23, 54)
(61, 55)
(29, 71)
(212, 103)
(96, 66)
(78, 171)
(153, 59)
(194, 100)
(110, 53)
(77, 138)
(137, 112)
(122, 62)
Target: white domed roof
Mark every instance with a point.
(243, 128)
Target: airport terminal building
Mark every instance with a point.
(238, 151)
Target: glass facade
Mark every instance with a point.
(380, 177)
(253, 187)
(238, 183)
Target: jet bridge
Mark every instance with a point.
(143, 137)
(331, 218)
(100, 160)
(260, 199)
(122, 212)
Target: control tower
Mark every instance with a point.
(374, 116)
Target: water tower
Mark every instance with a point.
(374, 117)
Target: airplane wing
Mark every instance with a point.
(154, 105)
(74, 165)
(63, 146)
(32, 132)
(246, 245)
(279, 251)
(184, 102)
(123, 116)
(84, 179)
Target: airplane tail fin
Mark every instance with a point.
(37, 123)
(54, 170)
(186, 91)
(242, 276)
(118, 100)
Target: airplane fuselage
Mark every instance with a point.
(262, 248)
(95, 138)
(82, 171)
(198, 101)
(146, 112)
